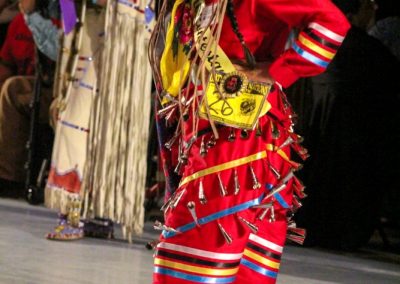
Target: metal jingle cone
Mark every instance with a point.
(303, 153)
(296, 166)
(202, 197)
(299, 231)
(158, 225)
(177, 198)
(263, 206)
(162, 112)
(170, 142)
(296, 203)
(236, 182)
(161, 227)
(244, 134)
(297, 239)
(166, 205)
(203, 148)
(290, 222)
(211, 143)
(272, 215)
(287, 177)
(287, 142)
(185, 115)
(169, 115)
(263, 214)
(276, 190)
(298, 188)
(182, 160)
(300, 139)
(232, 135)
(227, 237)
(256, 184)
(251, 226)
(298, 183)
(274, 171)
(222, 188)
(192, 209)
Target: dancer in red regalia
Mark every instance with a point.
(226, 131)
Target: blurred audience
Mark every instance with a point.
(17, 67)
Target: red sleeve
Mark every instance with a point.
(322, 28)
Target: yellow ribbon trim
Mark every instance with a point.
(280, 152)
(261, 259)
(236, 163)
(197, 269)
(174, 70)
(224, 166)
(316, 48)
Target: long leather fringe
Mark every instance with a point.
(114, 180)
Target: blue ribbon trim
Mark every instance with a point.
(194, 278)
(258, 269)
(214, 216)
(309, 56)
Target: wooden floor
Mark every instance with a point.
(26, 257)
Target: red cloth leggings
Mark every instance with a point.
(202, 255)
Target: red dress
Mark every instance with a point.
(223, 224)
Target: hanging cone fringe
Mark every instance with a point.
(202, 197)
(177, 198)
(272, 215)
(296, 203)
(276, 190)
(274, 171)
(161, 227)
(203, 148)
(171, 142)
(287, 142)
(226, 236)
(232, 135)
(263, 214)
(211, 143)
(222, 188)
(256, 184)
(251, 226)
(297, 239)
(298, 231)
(298, 188)
(192, 209)
(236, 182)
